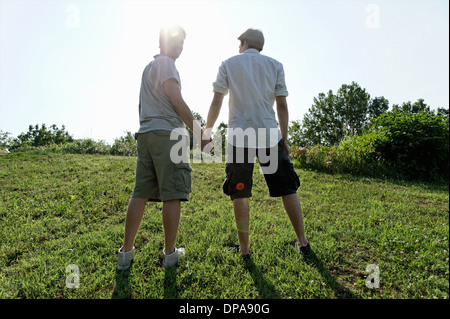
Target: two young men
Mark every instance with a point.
(254, 82)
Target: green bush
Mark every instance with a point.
(37, 137)
(43, 140)
(399, 145)
(5, 140)
(125, 145)
(415, 145)
(86, 146)
(314, 157)
(356, 155)
(352, 156)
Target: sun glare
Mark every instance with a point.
(207, 43)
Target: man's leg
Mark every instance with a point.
(294, 211)
(134, 217)
(171, 220)
(241, 215)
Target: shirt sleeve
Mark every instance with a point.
(167, 70)
(221, 83)
(280, 87)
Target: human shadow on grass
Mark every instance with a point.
(340, 291)
(265, 288)
(122, 290)
(170, 283)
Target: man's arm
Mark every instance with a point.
(214, 110)
(283, 119)
(172, 90)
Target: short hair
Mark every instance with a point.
(254, 38)
(170, 32)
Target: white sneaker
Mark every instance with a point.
(124, 259)
(172, 259)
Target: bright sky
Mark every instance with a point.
(79, 63)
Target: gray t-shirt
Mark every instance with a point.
(253, 81)
(157, 113)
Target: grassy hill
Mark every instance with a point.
(60, 210)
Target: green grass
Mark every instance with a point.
(57, 210)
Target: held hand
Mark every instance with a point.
(207, 145)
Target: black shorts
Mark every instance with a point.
(278, 171)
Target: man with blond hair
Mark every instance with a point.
(159, 178)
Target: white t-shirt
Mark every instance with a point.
(253, 81)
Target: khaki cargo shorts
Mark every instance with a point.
(158, 178)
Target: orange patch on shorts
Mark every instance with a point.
(240, 186)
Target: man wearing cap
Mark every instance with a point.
(254, 82)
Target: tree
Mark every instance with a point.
(295, 134)
(443, 112)
(320, 125)
(334, 116)
(378, 106)
(412, 108)
(5, 140)
(352, 108)
(42, 136)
